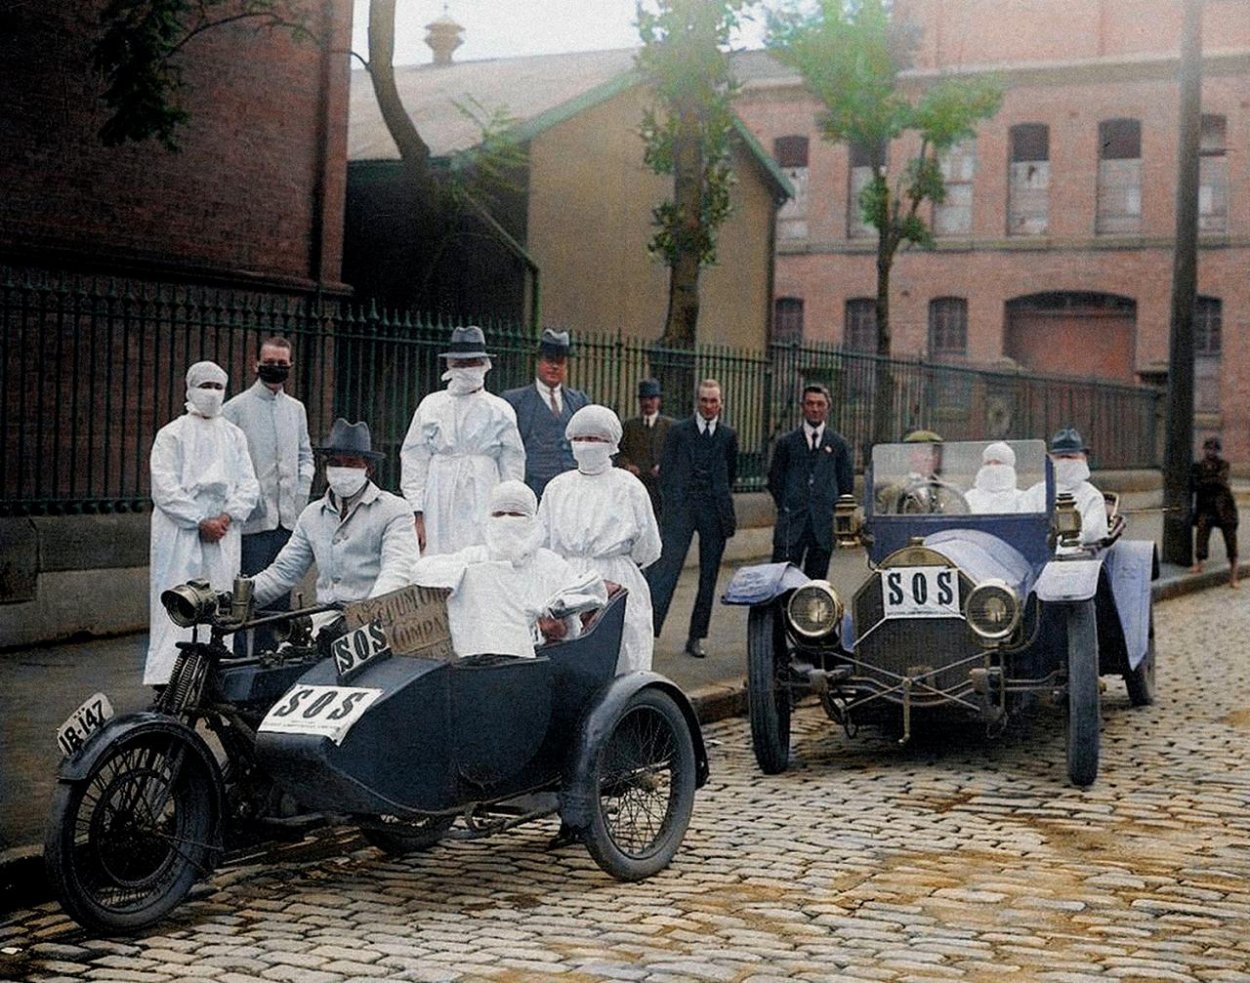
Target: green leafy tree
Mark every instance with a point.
(687, 135)
(850, 54)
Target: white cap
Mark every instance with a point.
(202, 372)
(513, 496)
(595, 421)
(1000, 452)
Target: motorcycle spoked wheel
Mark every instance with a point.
(644, 784)
(126, 843)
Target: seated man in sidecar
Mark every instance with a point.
(510, 594)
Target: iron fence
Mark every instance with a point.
(93, 368)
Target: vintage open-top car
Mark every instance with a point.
(378, 724)
(981, 612)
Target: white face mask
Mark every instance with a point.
(1070, 472)
(464, 379)
(513, 538)
(996, 478)
(346, 482)
(206, 402)
(592, 456)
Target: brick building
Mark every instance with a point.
(1054, 248)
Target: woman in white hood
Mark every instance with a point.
(599, 517)
(203, 487)
(994, 490)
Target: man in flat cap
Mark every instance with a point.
(462, 442)
(544, 409)
(642, 441)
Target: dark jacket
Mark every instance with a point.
(642, 446)
(547, 451)
(698, 473)
(805, 485)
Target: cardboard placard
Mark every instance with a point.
(415, 620)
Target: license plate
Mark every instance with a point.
(920, 592)
(353, 651)
(322, 711)
(84, 722)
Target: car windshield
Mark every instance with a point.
(978, 477)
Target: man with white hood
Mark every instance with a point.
(203, 487)
(994, 489)
(599, 517)
(462, 442)
(502, 590)
(1070, 459)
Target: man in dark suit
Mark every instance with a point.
(698, 468)
(544, 409)
(811, 467)
(643, 441)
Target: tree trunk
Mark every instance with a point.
(413, 151)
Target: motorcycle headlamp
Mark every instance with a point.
(992, 610)
(814, 609)
(189, 604)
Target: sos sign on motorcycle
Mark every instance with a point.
(325, 711)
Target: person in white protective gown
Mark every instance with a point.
(600, 518)
(462, 442)
(203, 487)
(994, 489)
(509, 593)
(1070, 458)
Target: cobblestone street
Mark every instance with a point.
(953, 858)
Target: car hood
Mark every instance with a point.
(983, 557)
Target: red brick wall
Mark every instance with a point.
(256, 192)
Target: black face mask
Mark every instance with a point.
(273, 373)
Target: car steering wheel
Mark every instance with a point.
(931, 496)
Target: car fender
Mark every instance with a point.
(1131, 565)
(1068, 580)
(576, 807)
(761, 583)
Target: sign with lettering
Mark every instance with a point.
(415, 619)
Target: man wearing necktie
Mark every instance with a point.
(643, 441)
(698, 467)
(544, 409)
(811, 467)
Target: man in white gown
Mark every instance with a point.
(1070, 459)
(462, 442)
(203, 487)
(600, 518)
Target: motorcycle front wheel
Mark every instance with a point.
(126, 842)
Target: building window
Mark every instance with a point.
(954, 216)
(791, 155)
(1028, 191)
(788, 320)
(1208, 325)
(1119, 176)
(1213, 176)
(860, 333)
(948, 328)
(860, 177)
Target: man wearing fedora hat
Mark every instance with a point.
(462, 442)
(543, 411)
(642, 441)
(1069, 457)
(360, 537)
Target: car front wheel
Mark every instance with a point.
(1084, 715)
(768, 698)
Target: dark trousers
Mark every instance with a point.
(805, 552)
(1206, 522)
(662, 577)
(259, 550)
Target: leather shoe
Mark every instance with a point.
(567, 836)
(694, 649)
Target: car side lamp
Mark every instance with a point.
(1066, 524)
(848, 523)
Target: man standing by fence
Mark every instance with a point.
(642, 441)
(276, 426)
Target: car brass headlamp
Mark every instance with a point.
(814, 609)
(1067, 520)
(192, 603)
(992, 610)
(848, 521)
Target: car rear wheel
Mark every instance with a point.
(1141, 681)
(768, 698)
(1084, 716)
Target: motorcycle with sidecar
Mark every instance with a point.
(375, 723)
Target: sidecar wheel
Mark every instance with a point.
(397, 839)
(643, 791)
(125, 844)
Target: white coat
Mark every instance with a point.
(457, 449)
(200, 468)
(276, 426)
(604, 522)
(1089, 503)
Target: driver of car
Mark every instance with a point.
(509, 593)
(994, 489)
(922, 490)
(1070, 459)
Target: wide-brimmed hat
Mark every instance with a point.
(649, 387)
(351, 439)
(922, 437)
(467, 342)
(555, 343)
(1068, 441)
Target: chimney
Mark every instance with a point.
(443, 37)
